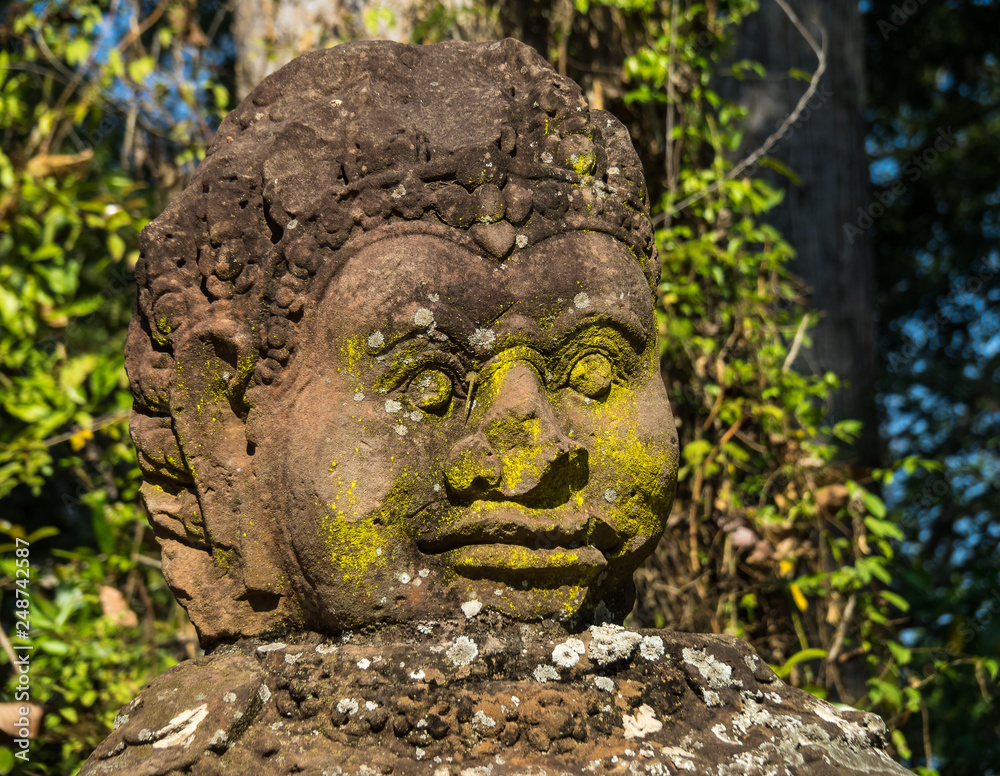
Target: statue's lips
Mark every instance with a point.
(514, 564)
(484, 523)
(507, 541)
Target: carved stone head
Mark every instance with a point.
(394, 354)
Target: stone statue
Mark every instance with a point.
(405, 440)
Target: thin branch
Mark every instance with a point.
(790, 119)
(151, 562)
(47, 52)
(671, 99)
(720, 376)
(106, 103)
(838, 637)
(699, 480)
(796, 344)
(101, 422)
(136, 32)
(80, 74)
(926, 730)
(767, 486)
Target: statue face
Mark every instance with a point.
(453, 430)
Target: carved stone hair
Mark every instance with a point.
(482, 144)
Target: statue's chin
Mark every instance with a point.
(576, 595)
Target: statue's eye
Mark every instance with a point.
(431, 390)
(591, 375)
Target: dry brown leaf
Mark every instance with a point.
(832, 496)
(58, 164)
(18, 718)
(115, 608)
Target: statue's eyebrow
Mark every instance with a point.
(627, 324)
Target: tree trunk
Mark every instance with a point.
(825, 149)
(270, 33)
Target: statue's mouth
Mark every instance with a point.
(507, 542)
(517, 565)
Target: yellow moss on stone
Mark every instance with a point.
(638, 466)
(534, 604)
(352, 352)
(354, 547)
(517, 444)
(224, 559)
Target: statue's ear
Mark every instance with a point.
(188, 424)
(215, 363)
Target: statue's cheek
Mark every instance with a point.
(633, 461)
(637, 487)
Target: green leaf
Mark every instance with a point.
(696, 451)
(42, 533)
(799, 657)
(53, 647)
(899, 741)
(116, 246)
(902, 654)
(77, 50)
(781, 168)
(102, 531)
(139, 69)
(881, 691)
(46, 252)
(873, 504)
(896, 600)
(6, 760)
(885, 528)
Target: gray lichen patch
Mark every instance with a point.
(347, 706)
(423, 318)
(610, 643)
(463, 651)
(483, 722)
(376, 340)
(718, 675)
(471, 608)
(546, 673)
(568, 653)
(482, 339)
(651, 648)
(604, 683)
(642, 723)
(180, 730)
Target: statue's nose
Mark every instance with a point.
(518, 450)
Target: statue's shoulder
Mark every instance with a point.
(188, 713)
(449, 701)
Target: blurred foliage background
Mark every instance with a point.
(864, 571)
